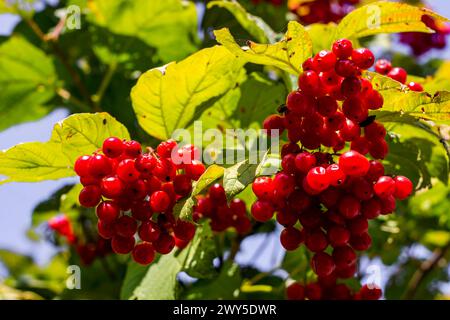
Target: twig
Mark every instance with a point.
(425, 268)
(235, 246)
(97, 98)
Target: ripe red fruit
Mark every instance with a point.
(99, 166)
(302, 103)
(106, 230)
(371, 209)
(108, 211)
(295, 291)
(346, 68)
(165, 148)
(182, 185)
(263, 188)
(361, 242)
(126, 170)
(360, 144)
(354, 164)
(343, 48)
(112, 147)
(398, 74)
(195, 169)
(149, 231)
(414, 86)
(317, 179)
(316, 240)
(322, 264)
(376, 170)
(143, 253)
(291, 238)
(309, 82)
(383, 66)
(363, 58)
(122, 245)
(350, 130)
(379, 149)
(351, 86)
(374, 100)
(145, 164)
(159, 201)
(355, 109)
(370, 292)
(90, 196)
(387, 205)
(132, 148)
(338, 236)
(358, 226)
(344, 257)
(325, 60)
(81, 166)
(375, 131)
(274, 122)
(313, 291)
(283, 184)
(164, 244)
(262, 211)
(304, 161)
(184, 230)
(126, 226)
(403, 187)
(384, 187)
(326, 106)
(349, 207)
(335, 174)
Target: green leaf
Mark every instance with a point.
(296, 263)
(133, 277)
(76, 135)
(201, 253)
(321, 36)
(222, 287)
(400, 99)
(28, 82)
(166, 99)
(184, 208)
(169, 26)
(255, 26)
(436, 238)
(287, 54)
(383, 17)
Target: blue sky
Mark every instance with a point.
(18, 199)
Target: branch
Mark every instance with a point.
(425, 268)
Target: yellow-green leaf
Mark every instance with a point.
(399, 98)
(255, 26)
(166, 99)
(77, 135)
(384, 17)
(288, 54)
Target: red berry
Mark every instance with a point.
(304, 161)
(112, 187)
(313, 291)
(184, 230)
(375, 131)
(371, 209)
(302, 103)
(346, 68)
(112, 147)
(363, 58)
(90, 196)
(326, 106)
(262, 211)
(182, 185)
(108, 211)
(325, 60)
(164, 244)
(351, 86)
(361, 242)
(383, 66)
(126, 226)
(143, 253)
(195, 169)
(122, 245)
(165, 148)
(149, 231)
(295, 291)
(99, 166)
(335, 174)
(81, 166)
(343, 48)
(350, 130)
(159, 201)
(132, 148)
(317, 179)
(344, 257)
(283, 184)
(217, 194)
(309, 82)
(349, 207)
(291, 238)
(106, 230)
(370, 292)
(322, 264)
(358, 226)
(126, 170)
(316, 240)
(403, 187)
(415, 86)
(384, 187)
(274, 122)
(354, 164)
(374, 100)
(263, 188)
(398, 74)
(338, 236)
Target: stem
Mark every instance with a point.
(235, 246)
(62, 57)
(66, 95)
(425, 268)
(97, 98)
(262, 275)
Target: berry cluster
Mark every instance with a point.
(421, 43)
(322, 11)
(385, 68)
(214, 206)
(331, 199)
(134, 193)
(88, 251)
(322, 291)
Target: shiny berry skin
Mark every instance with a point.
(349, 207)
(318, 179)
(288, 163)
(112, 187)
(371, 209)
(313, 291)
(195, 169)
(184, 230)
(126, 226)
(263, 188)
(149, 231)
(325, 60)
(106, 230)
(374, 100)
(291, 238)
(360, 144)
(375, 131)
(376, 170)
(304, 161)
(351, 86)
(338, 236)
(344, 257)
(383, 66)
(363, 58)
(403, 187)
(217, 194)
(350, 130)
(384, 187)
(159, 201)
(127, 171)
(346, 68)
(355, 109)
(283, 184)
(108, 211)
(145, 164)
(262, 211)
(316, 240)
(327, 106)
(132, 148)
(358, 226)
(295, 291)
(90, 196)
(370, 292)
(361, 242)
(309, 82)
(272, 123)
(309, 64)
(99, 166)
(182, 185)
(164, 244)
(353, 163)
(238, 207)
(302, 103)
(415, 86)
(343, 48)
(398, 74)
(322, 264)
(112, 147)
(122, 245)
(81, 166)
(165, 148)
(379, 149)
(387, 205)
(143, 253)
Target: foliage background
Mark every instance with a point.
(420, 229)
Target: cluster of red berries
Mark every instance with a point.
(214, 206)
(134, 194)
(385, 68)
(324, 291)
(421, 43)
(322, 11)
(331, 200)
(88, 251)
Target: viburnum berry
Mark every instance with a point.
(108, 211)
(403, 187)
(338, 236)
(113, 147)
(309, 82)
(363, 58)
(370, 292)
(322, 264)
(122, 245)
(384, 187)
(81, 166)
(343, 48)
(316, 240)
(415, 86)
(143, 253)
(354, 164)
(295, 291)
(159, 201)
(318, 179)
(291, 238)
(262, 210)
(325, 60)
(132, 148)
(90, 196)
(383, 66)
(343, 257)
(164, 244)
(398, 74)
